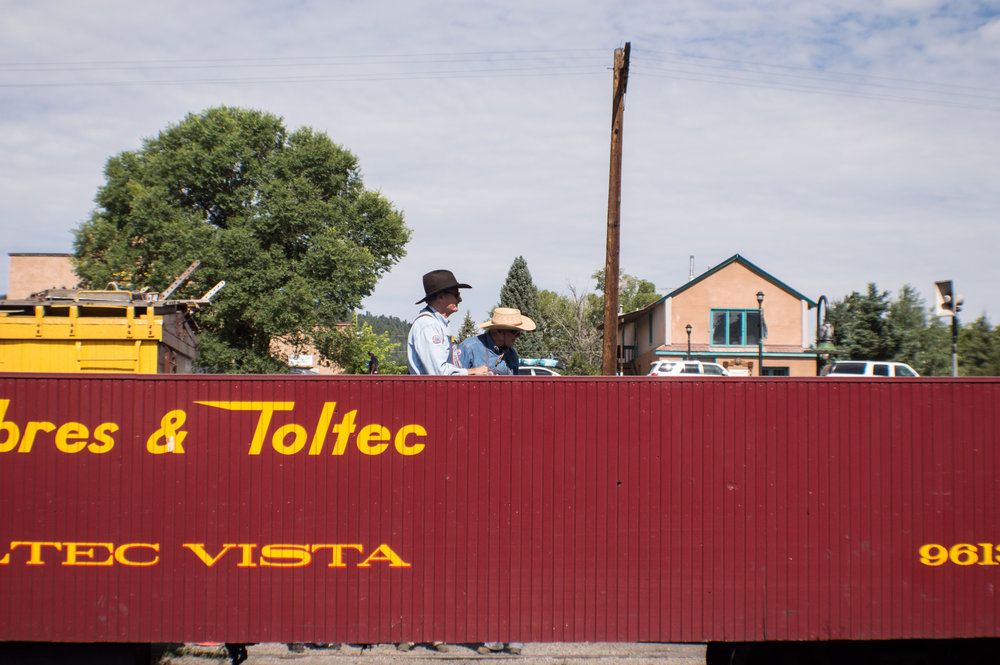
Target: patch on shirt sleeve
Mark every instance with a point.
(437, 339)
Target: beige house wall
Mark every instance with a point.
(734, 286)
(645, 350)
(31, 273)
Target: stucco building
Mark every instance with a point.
(726, 320)
(35, 272)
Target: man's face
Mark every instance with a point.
(447, 302)
(505, 336)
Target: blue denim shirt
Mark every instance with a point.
(481, 350)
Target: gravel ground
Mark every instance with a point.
(386, 654)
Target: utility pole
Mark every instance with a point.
(609, 359)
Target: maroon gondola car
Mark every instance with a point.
(752, 514)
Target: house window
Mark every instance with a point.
(735, 327)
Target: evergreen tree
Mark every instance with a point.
(934, 358)
(519, 291)
(977, 351)
(907, 324)
(860, 325)
(869, 327)
(468, 329)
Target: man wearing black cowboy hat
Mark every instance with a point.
(430, 347)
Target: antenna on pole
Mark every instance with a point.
(609, 360)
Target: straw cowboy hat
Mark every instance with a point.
(438, 280)
(510, 319)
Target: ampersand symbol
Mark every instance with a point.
(172, 439)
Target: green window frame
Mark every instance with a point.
(735, 327)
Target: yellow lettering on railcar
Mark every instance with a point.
(73, 553)
(960, 554)
(294, 555)
(291, 438)
(70, 437)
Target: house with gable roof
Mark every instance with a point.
(726, 321)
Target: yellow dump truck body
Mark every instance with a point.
(96, 334)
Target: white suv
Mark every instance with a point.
(535, 370)
(849, 368)
(686, 367)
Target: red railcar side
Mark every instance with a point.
(391, 509)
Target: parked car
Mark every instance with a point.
(848, 368)
(536, 371)
(540, 367)
(686, 367)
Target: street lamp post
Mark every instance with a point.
(760, 333)
(688, 329)
(824, 333)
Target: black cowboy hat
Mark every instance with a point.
(438, 280)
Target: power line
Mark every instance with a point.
(820, 88)
(496, 64)
(387, 67)
(302, 61)
(397, 76)
(823, 74)
(802, 79)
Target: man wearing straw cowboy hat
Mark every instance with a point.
(495, 347)
(430, 347)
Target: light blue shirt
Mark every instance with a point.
(482, 350)
(430, 348)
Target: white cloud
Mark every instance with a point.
(832, 144)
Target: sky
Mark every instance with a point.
(832, 144)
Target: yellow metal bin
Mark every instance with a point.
(71, 330)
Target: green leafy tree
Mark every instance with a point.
(634, 293)
(393, 326)
(569, 334)
(519, 291)
(283, 218)
(348, 348)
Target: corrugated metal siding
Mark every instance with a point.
(540, 510)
